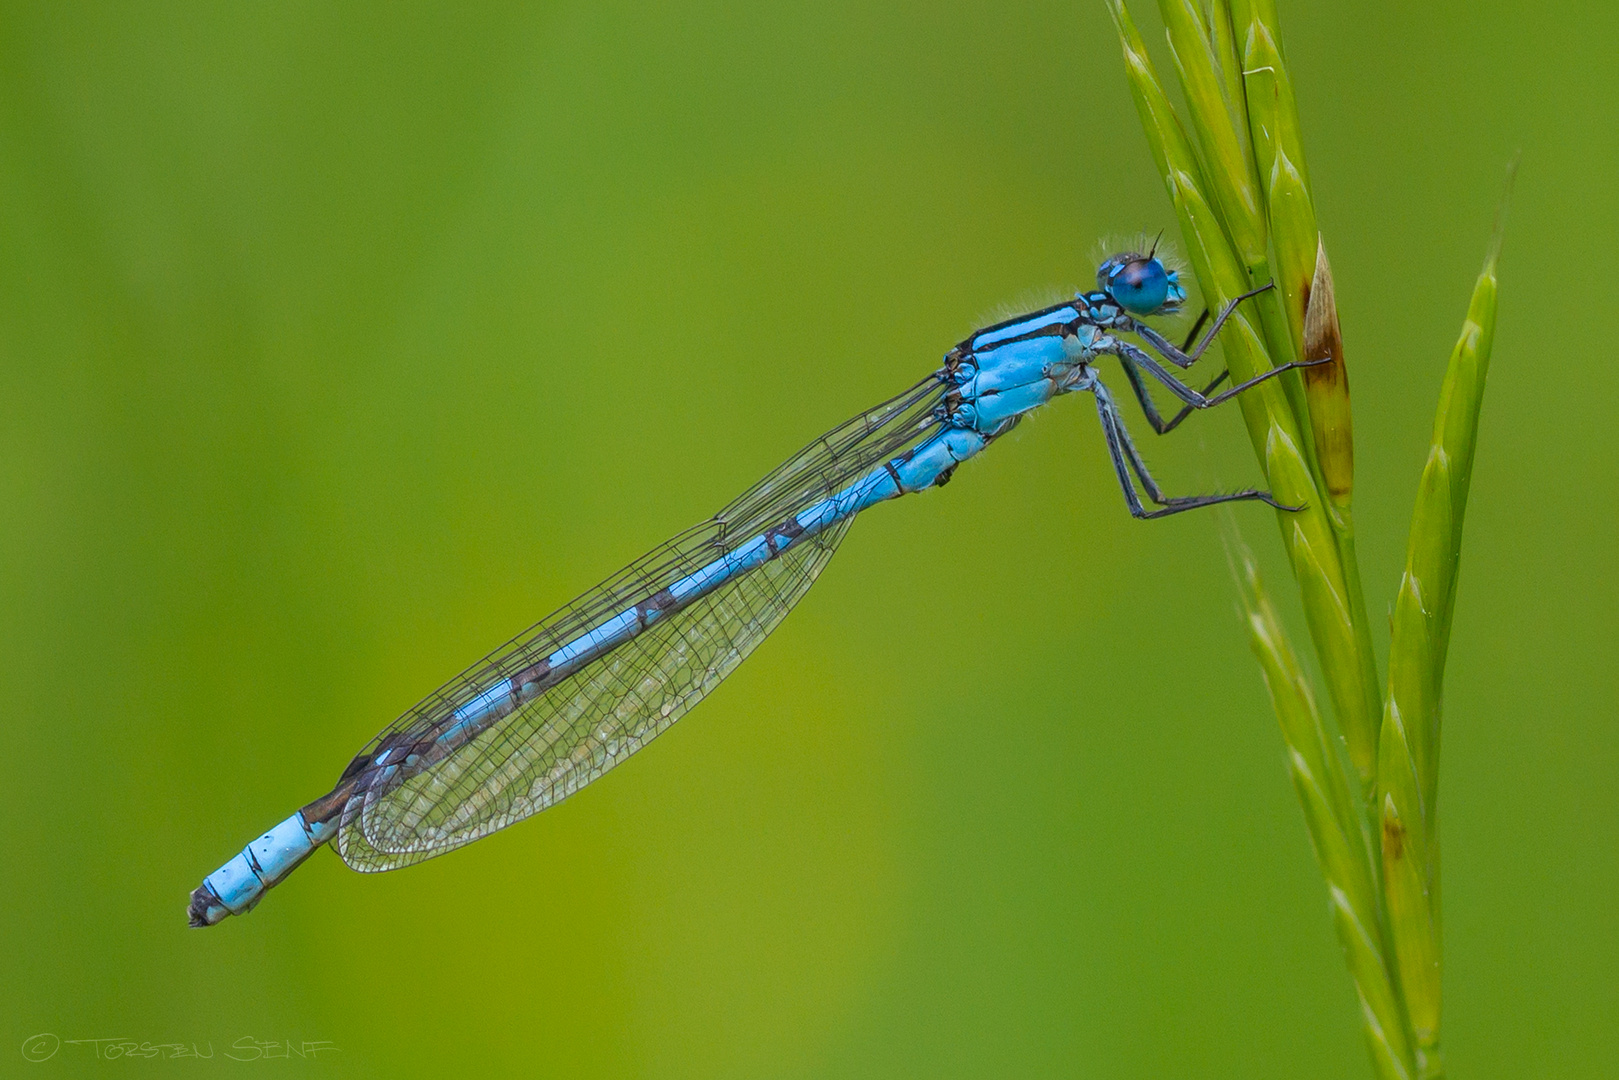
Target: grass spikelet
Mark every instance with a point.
(1330, 817)
(1214, 116)
(1242, 194)
(1284, 448)
(1327, 387)
(1408, 769)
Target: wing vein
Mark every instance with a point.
(530, 724)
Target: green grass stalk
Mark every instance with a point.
(1280, 441)
(1408, 766)
(1333, 822)
(1235, 172)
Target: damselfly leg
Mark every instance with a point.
(1131, 355)
(1181, 358)
(1148, 406)
(1127, 459)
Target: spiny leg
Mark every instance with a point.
(1159, 424)
(1121, 448)
(1147, 406)
(1120, 469)
(1127, 352)
(1139, 465)
(1191, 335)
(1180, 357)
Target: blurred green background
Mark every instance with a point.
(337, 344)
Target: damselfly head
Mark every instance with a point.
(1141, 284)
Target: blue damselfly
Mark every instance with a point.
(581, 691)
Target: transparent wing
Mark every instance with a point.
(409, 800)
(557, 743)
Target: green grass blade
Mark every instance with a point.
(1228, 164)
(1456, 427)
(1332, 821)
(1211, 82)
(1407, 886)
(1259, 40)
(1279, 157)
(1302, 322)
(1408, 767)
(1228, 59)
(1214, 263)
(1278, 151)
(1271, 419)
(1242, 194)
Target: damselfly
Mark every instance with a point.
(561, 704)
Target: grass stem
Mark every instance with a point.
(1235, 172)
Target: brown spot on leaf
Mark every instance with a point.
(1393, 839)
(1326, 386)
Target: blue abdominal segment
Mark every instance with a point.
(240, 884)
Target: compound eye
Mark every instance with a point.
(1141, 286)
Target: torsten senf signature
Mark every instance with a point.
(45, 1046)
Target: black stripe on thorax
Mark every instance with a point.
(1025, 317)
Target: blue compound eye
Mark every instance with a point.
(1141, 286)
